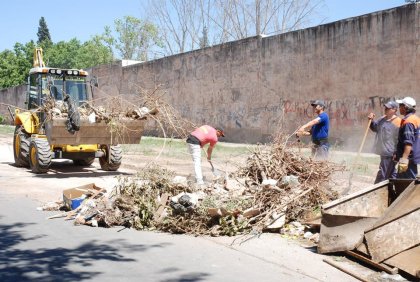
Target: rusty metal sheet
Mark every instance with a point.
(369, 202)
(342, 233)
(397, 229)
(408, 261)
(345, 220)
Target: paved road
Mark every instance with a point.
(35, 248)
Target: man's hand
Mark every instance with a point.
(371, 116)
(302, 133)
(402, 165)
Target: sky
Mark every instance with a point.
(82, 19)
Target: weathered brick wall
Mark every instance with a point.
(256, 86)
(15, 96)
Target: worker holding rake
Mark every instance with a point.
(198, 139)
(319, 128)
(386, 129)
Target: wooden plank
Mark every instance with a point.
(161, 207)
(408, 261)
(356, 195)
(379, 266)
(408, 201)
(394, 237)
(349, 272)
(397, 229)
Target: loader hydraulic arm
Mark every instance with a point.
(38, 59)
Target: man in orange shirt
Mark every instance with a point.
(196, 140)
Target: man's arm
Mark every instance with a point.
(407, 151)
(209, 151)
(301, 130)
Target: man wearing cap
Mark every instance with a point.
(196, 140)
(319, 128)
(386, 129)
(408, 146)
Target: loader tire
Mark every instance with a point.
(40, 155)
(111, 161)
(21, 142)
(84, 162)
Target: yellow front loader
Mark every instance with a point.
(40, 137)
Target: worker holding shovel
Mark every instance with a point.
(386, 129)
(319, 128)
(198, 139)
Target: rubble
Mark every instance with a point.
(264, 195)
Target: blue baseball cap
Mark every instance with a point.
(391, 105)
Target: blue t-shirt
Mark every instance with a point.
(320, 130)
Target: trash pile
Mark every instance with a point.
(275, 187)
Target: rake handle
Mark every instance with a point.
(364, 139)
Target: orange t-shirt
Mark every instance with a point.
(206, 134)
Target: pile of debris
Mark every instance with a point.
(275, 187)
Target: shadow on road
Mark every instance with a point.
(55, 264)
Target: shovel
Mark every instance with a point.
(215, 172)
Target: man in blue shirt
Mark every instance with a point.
(319, 130)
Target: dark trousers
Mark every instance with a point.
(320, 149)
(386, 169)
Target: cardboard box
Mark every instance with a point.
(73, 197)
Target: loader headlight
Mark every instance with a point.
(58, 71)
(52, 71)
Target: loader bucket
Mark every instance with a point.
(124, 131)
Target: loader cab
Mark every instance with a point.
(56, 83)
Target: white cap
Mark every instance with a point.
(408, 101)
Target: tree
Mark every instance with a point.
(182, 21)
(134, 39)
(204, 40)
(15, 65)
(93, 53)
(43, 32)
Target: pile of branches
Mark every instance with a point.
(145, 202)
(302, 183)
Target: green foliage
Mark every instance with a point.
(15, 65)
(134, 38)
(43, 32)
